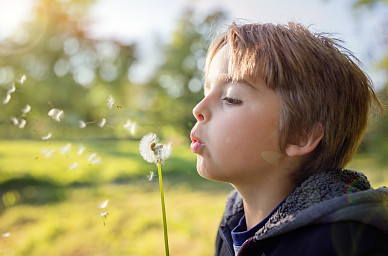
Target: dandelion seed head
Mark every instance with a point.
(153, 152)
(82, 124)
(102, 123)
(111, 101)
(56, 114)
(103, 205)
(48, 136)
(26, 109)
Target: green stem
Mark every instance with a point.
(163, 210)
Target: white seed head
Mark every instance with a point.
(153, 152)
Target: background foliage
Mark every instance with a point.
(50, 191)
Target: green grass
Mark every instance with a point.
(49, 209)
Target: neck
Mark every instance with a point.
(261, 199)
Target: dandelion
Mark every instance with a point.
(56, 114)
(47, 152)
(26, 109)
(81, 150)
(153, 152)
(102, 123)
(48, 136)
(111, 101)
(82, 124)
(65, 148)
(130, 127)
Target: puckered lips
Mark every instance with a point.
(196, 143)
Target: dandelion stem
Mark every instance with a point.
(163, 209)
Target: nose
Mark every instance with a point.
(200, 113)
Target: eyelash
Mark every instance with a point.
(231, 101)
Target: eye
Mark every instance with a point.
(231, 101)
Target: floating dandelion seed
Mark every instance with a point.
(7, 98)
(22, 123)
(94, 159)
(111, 101)
(5, 235)
(82, 124)
(73, 166)
(65, 148)
(151, 176)
(26, 109)
(14, 121)
(12, 89)
(22, 79)
(56, 114)
(103, 205)
(48, 136)
(81, 150)
(47, 152)
(130, 127)
(102, 123)
(104, 214)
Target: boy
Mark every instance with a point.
(283, 113)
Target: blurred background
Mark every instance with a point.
(82, 81)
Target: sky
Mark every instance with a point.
(139, 21)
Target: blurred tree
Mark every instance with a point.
(178, 83)
(64, 69)
(376, 142)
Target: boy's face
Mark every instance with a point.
(236, 137)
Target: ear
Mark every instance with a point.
(305, 143)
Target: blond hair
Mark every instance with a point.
(317, 80)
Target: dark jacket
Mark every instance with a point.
(331, 213)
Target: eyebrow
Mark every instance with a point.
(225, 78)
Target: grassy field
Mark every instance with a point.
(49, 203)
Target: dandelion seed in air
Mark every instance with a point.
(102, 123)
(12, 89)
(151, 176)
(65, 148)
(104, 214)
(81, 150)
(26, 109)
(94, 159)
(6, 235)
(73, 166)
(14, 121)
(48, 136)
(47, 152)
(22, 123)
(82, 124)
(7, 98)
(56, 114)
(130, 127)
(103, 205)
(111, 101)
(22, 79)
